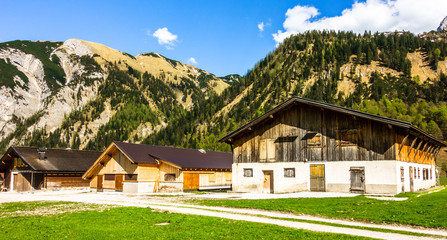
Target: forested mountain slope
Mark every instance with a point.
(81, 94)
(397, 75)
(84, 95)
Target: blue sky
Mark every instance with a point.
(222, 37)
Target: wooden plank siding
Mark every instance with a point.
(410, 148)
(293, 128)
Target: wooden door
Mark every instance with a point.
(411, 180)
(317, 178)
(357, 179)
(268, 182)
(191, 181)
(22, 182)
(99, 186)
(119, 179)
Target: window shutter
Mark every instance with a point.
(262, 151)
(271, 150)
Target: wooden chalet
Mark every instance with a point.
(142, 168)
(304, 145)
(30, 168)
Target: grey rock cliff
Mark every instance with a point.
(443, 25)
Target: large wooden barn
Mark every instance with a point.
(304, 145)
(29, 168)
(142, 168)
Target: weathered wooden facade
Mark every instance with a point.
(306, 145)
(141, 168)
(28, 168)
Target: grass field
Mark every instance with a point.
(443, 181)
(427, 210)
(57, 220)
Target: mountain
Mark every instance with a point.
(83, 94)
(443, 25)
(398, 75)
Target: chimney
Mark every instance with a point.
(41, 152)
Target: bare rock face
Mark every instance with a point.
(21, 102)
(443, 25)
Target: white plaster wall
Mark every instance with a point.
(281, 184)
(381, 177)
(170, 187)
(138, 187)
(418, 183)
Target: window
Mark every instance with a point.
(248, 172)
(415, 173)
(347, 137)
(431, 174)
(109, 177)
(313, 139)
(289, 172)
(267, 150)
(419, 173)
(131, 177)
(170, 177)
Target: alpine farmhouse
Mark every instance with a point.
(31, 168)
(306, 145)
(143, 168)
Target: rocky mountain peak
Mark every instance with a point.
(443, 25)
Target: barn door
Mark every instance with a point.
(317, 179)
(99, 181)
(191, 181)
(268, 182)
(119, 179)
(411, 180)
(357, 179)
(22, 182)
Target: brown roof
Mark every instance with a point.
(182, 157)
(59, 160)
(310, 102)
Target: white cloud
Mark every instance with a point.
(261, 26)
(373, 15)
(165, 37)
(192, 60)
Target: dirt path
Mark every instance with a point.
(167, 204)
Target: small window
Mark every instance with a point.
(267, 150)
(419, 173)
(248, 172)
(415, 173)
(109, 177)
(431, 174)
(313, 139)
(170, 177)
(347, 137)
(131, 177)
(289, 172)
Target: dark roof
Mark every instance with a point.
(56, 160)
(295, 100)
(182, 157)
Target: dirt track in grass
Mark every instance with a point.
(176, 203)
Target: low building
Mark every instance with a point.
(142, 168)
(306, 145)
(30, 168)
